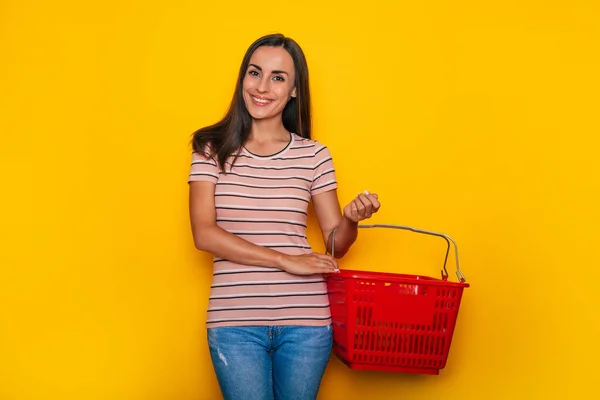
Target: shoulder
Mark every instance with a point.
(310, 145)
(203, 156)
(205, 150)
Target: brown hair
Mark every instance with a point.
(227, 136)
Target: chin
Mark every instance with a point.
(258, 115)
(261, 114)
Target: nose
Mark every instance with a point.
(263, 85)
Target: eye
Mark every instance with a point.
(253, 73)
(279, 78)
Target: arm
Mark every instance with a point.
(209, 237)
(327, 208)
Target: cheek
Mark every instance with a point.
(244, 86)
(285, 92)
(247, 83)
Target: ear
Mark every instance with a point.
(293, 94)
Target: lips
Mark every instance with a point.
(260, 101)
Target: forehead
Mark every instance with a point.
(271, 58)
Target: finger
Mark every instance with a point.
(330, 267)
(354, 213)
(376, 205)
(333, 263)
(360, 207)
(328, 260)
(364, 206)
(367, 204)
(372, 197)
(366, 192)
(325, 267)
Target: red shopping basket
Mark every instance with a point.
(394, 322)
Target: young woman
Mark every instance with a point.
(252, 177)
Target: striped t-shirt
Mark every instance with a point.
(264, 200)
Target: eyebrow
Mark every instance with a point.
(273, 72)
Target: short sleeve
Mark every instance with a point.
(324, 172)
(203, 169)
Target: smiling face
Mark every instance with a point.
(268, 84)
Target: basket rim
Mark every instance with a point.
(347, 274)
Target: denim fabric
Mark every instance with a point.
(270, 362)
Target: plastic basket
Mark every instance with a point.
(394, 322)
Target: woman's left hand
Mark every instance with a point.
(362, 207)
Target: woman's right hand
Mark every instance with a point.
(309, 264)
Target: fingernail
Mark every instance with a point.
(366, 192)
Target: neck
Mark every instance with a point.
(268, 130)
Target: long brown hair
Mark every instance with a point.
(227, 136)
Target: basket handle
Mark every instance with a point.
(461, 277)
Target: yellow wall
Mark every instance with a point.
(477, 119)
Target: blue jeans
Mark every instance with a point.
(270, 362)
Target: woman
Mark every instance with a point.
(253, 175)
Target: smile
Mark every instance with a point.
(261, 102)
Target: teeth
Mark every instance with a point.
(260, 100)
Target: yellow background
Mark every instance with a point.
(476, 119)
